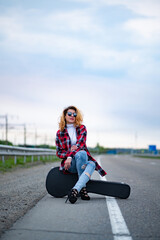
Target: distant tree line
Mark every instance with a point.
(101, 150)
(3, 142)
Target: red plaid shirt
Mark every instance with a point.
(63, 147)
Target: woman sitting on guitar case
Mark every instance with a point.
(71, 148)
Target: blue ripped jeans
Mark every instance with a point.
(81, 165)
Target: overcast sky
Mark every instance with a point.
(101, 56)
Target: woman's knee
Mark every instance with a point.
(81, 159)
(93, 165)
(81, 155)
(90, 168)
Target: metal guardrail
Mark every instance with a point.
(6, 150)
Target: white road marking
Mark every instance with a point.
(152, 163)
(119, 228)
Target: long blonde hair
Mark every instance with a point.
(78, 121)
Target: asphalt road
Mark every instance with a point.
(142, 210)
(52, 218)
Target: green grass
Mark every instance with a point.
(152, 157)
(9, 162)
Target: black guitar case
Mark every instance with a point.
(58, 184)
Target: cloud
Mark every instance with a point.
(107, 66)
(145, 27)
(59, 45)
(69, 34)
(112, 104)
(144, 31)
(149, 8)
(92, 55)
(75, 21)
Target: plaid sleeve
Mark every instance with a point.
(60, 151)
(81, 140)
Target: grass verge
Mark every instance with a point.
(151, 157)
(9, 163)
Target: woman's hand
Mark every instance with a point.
(67, 163)
(74, 147)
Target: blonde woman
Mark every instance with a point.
(71, 148)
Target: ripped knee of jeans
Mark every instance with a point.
(88, 174)
(83, 166)
(93, 164)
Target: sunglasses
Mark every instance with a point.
(70, 114)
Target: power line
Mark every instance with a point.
(8, 126)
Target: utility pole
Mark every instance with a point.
(136, 137)
(24, 125)
(35, 136)
(6, 125)
(6, 116)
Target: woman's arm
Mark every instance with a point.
(81, 137)
(60, 151)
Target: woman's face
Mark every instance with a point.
(70, 118)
